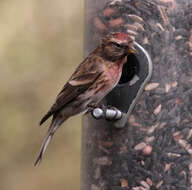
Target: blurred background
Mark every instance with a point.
(41, 43)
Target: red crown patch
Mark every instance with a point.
(122, 36)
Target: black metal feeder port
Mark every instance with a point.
(136, 73)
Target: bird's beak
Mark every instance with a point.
(132, 50)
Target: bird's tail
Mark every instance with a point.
(52, 129)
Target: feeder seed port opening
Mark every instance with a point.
(122, 99)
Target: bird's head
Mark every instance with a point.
(116, 45)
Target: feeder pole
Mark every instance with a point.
(154, 149)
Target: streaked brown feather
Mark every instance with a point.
(95, 77)
(81, 81)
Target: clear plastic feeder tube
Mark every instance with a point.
(154, 149)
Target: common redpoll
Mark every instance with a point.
(93, 79)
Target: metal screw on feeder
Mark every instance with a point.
(129, 92)
(108, 114)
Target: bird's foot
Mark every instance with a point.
(90, 108)
(93, 106)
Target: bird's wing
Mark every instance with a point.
(84, 76)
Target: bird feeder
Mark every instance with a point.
(143, 139)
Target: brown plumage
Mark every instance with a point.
(93, 79)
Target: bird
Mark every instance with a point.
(92, 80)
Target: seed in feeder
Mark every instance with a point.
(157, 109)
(152, 128)
(139, 26)
(116, 22)
(177, 101)
(167, 167)
(137, 124)
(140, 146)
(135, 18)
(145, 185)
(174, 84)
(163, 14)
(166, 1)
(167, 87)
(145, 41)
(124, 182)
(189, 151)
(103, 149)
(179, 37)
(160, 27)
(149, 139)
(131, 119)
(151, 86)
(159, 184)
(115, 1)
(147, 150)
(130, 32)
(183, 173)
(99, 25)
(131, 27)
(149, 182)
(142, 163)
(109, 12)
(97, 173)
(189, 134)
(173, 155)
(190, 45)
(107, 144)
(190, 167)
(177, 135)
(137, 4)
(162, 125)
(133, 38)
(184, 144)
(103, 161)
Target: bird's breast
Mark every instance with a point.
(113, 72)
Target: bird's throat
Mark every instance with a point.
(115, 69)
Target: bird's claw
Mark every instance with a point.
(90, 108)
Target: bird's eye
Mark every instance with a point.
(116, 44)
